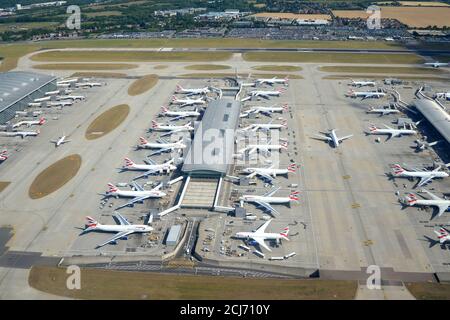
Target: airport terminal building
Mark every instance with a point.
(436, 115)
(18, 89)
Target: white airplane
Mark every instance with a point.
(264, 110)
(162, 145)
(61, 103)
(34, 104)
(122, 230)
(52, 93)
(391, 131)
(138, 194)
(265, 149)
(3, 155)
(170, 128)
(22, 134)
(424, 145)
(443, 95)
(150, 167)
(179, 114)
(88, 84)
(424, 176)
(443, 235)
(332, 137)
(436, 64)
(272, 81)
(362, 83)
(365, 94)
(64, 81)
(70, 97)
(269, 173)
(265, 200)
(190, 92)
(442, 204)
(187, 101)
(266, 94)
(34, 113)
(383, 111)
(259, 236)
(265, 126)
(42, 99)
(29, 123)
(61, 140)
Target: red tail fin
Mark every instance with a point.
(143, 140)
(294, 196)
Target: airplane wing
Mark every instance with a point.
(265, 176)
(442, 208)
(346, 137)
(424, 181)
(145, 174)
(263, 228)
(150, 161)
(267, 206)
(319, 136)
(160, 151)
(122, 220)
(133, 201)
(251, 151)
(387, 127)
(251, 175)
(169, 133)
(263, 95)
(271, 192)
(432, 196)
(246, 98)
(178, 118)
(116, 237)
(137, 187)
(261, 242)
(266, 113)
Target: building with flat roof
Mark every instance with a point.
(211, 151)
(436, 115)
(174, 235)
(18, 89)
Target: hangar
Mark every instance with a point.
(18, 89)
(211, 151)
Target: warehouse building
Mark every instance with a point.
(18, 89)
(211, 151)
(173, 235)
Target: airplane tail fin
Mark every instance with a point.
(174, 98)
(112, 188)
(284, 145)
(284, 123)
(164, 109)
(38, 131)
(373, 128)
(91, 222)
(285, 233)
(285, 107)
(142, 140)
(281, 90)
(292, 168)
(398, 169)
(286, 78)
(41, 121)
(411, 199)
(294, 196)
(179, 88)
(442, 235)
(155, 124)
(128, 162)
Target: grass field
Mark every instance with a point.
(25, 26)
(160, 67)
(103, 14)
(381, 77)
(11, 53)
(383, 70)
(143, 84)
(332, 57)
(4, 184)
(429, 291)
(419, 17)
(85, 66)
(278, 68)
(205, 67)
(244, 75)
(287, 15)
(99, 74)
(132, 56)
(216, 43)
(107, 121)
(104, 284)
(55, 176)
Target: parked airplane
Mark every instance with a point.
(390, 131)
(187, 101)
(29, 123)
(443, 95)
(190, 92)
(61, 140)
(270, 172)
(441, 204)
(52, 93)
(265, 149)
(424, 176)
(443, 235)
(259, 235)
(70, 97)
(62, 103)
(264, 110)
(122, 230)
(150, 167)
(424, 145)
(332, 137)
(22, 134)
(272, 81)
(138, 194)
(3, 155)
(436, 64)
(365, 94)
(266, 94)
(360, 83)
(265, 200)
(88, 84)
(162, 145)
(170, 128)
(179, 114)
(42, 99)
(265, 126)
(64, 81)
(386, 110)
